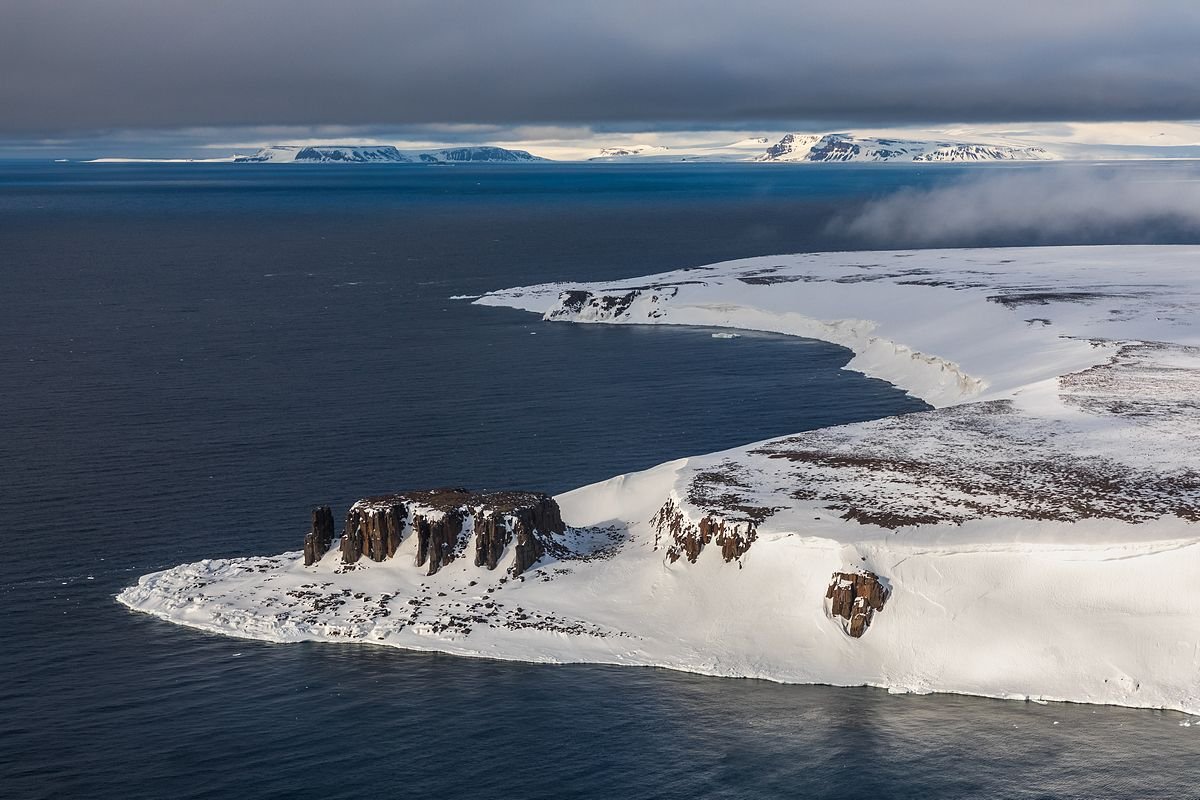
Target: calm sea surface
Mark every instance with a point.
(191, 356)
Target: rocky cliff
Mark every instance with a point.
(685, 539)
(854, 598)
(443, 523)
(318, 540)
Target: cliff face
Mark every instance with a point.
(528, 522)
(317, 541)
(444, 521)
(687, 539)
(373, 530)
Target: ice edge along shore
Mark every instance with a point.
(1036, 531)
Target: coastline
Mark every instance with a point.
(1042, 577)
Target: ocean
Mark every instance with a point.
(193, 355)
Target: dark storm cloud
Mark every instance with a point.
(95, 64)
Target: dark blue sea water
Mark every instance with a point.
(191, 356)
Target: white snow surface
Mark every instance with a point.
(1037, 528)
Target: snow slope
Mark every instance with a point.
(1036, 529)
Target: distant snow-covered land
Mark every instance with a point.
(915, 147)
(828, 147)
(382, 154)
(1034, 535)
(353, 154)
(810, 148)
(124, 160)
(1067, 141)
(847, 147)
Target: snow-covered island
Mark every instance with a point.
(383, 154)
(819, 148)
(1034, 535)
(790, 148)
(351, 154)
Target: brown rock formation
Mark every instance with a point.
(854, 598)
(527, 517)
(687, 539)
(438, 517)
(438, 538)
(373, 529)
(317, 541)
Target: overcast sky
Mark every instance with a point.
(70, 67)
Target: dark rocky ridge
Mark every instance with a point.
(855, 597)
(375, 527)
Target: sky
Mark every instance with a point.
(185, 74)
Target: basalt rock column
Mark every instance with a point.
(855, 597)
(442, 522)
(526, 516)
(373, 529)
(491, 537)
(437, 538)
(317, 541)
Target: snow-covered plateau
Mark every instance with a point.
(1034, 535)
(350, 154)
(834, 147)
(381, 154)
(849, 147)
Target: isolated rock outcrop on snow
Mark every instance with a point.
(854, 597)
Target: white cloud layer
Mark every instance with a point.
(1066, 202)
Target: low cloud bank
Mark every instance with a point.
(1067, 205)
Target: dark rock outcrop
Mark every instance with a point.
(318, 540)
(687, 539)
(438, 519)
(526, 521)
(854, 598)
(438, 538)
(611, 304)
